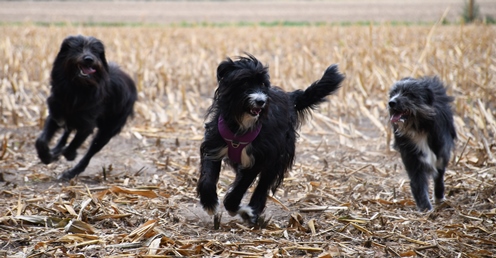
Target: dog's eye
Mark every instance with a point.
(75, 49)
(410, 94)
(96, 48)
(393, 93)
(76, 46)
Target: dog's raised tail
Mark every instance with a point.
(306, 100)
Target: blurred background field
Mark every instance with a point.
(226, 11)
(347, 195)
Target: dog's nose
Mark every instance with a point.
(392, 103)
(88, 59)
(260, 102)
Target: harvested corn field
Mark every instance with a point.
(347, 195)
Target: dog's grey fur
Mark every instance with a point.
(424, 133)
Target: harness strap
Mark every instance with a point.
(236, 143)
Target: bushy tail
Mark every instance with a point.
(305, 101)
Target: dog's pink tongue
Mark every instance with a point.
(256, 111)
(396, 117)
(88, 70)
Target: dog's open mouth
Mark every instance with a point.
(399, 116)
(86, 71)
(255, 111)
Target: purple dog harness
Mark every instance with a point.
(236, 143)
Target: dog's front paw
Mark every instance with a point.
(248, 215)
(56, 152)
(68, 174)
(69, 154)
(439, 200)
(232, 213)
(211, 209)
(65, 177)
(208, 197)
(426, 207)
(43, 152)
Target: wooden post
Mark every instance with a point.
(470, 10)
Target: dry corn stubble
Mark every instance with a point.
(347, 194)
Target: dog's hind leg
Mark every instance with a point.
(439, 186)
(207, 184)
(43, 140)
(101, 139)
(70, 152)
(442, 162)
(57, 150)
(244, 178)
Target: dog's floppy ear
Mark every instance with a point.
(428, 93)
(224, 68)
(101, 53)
(104, 60)
(68, 42)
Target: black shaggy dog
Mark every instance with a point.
(424, 134)
(86, 92)
(253, 125)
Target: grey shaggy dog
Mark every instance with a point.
(424, 133)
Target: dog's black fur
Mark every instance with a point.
(86, 92)
(424, 133)
(245, 100)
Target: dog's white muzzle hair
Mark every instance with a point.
(257, 99)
